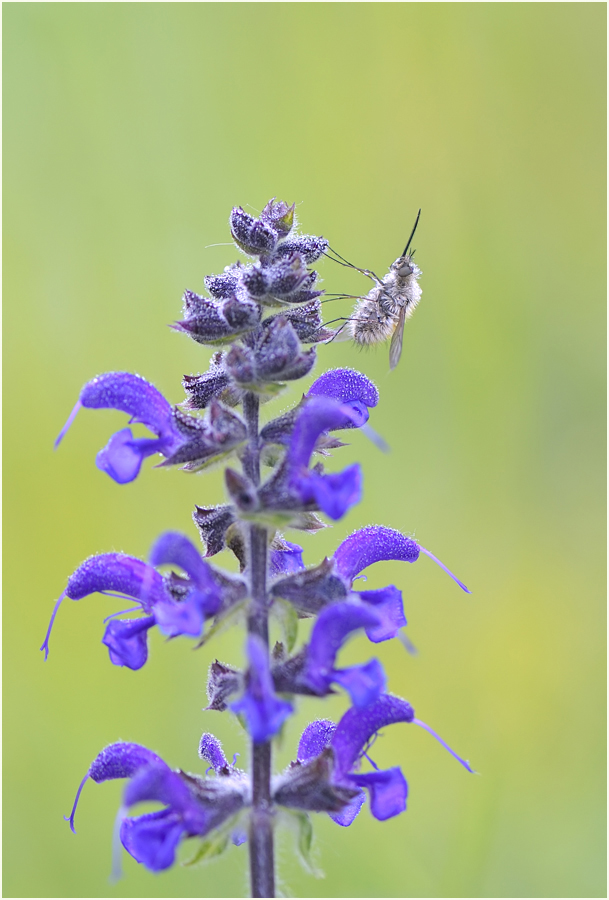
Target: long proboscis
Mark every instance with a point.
(412, 234)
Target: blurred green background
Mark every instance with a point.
(130, 131)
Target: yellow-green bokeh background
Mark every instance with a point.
(130, 131)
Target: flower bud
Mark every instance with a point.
(253, 236)
(279, 216)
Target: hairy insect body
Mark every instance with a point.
(381, 314)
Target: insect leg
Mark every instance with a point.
(339, 319)
(345, 262)
(334, 336)
(330, 297)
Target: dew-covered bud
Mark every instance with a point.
(310, 246)
(210, 321)
(273, 354)
(306, 321)
(201, 389)
(278, 353)
(224, 285)
(241, 364)
(256, 281)
(289, 275)
(253, 236)
(279, 216)
(218, 433)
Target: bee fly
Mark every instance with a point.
(382, 313)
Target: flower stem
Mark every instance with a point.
(262, 862)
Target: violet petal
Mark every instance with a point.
(127, 641)
(387, 604)
(388, 792)
(373, 544)
(357, 726)
(364, 684)
(153, 839)
(263, 710)
(348, 815)
(314, 739)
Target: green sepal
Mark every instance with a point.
(209, 848)
(304, 840)
(222, 622)
(287, 617)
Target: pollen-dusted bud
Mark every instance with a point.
(309, 245)
(253, 236)
(279, 215)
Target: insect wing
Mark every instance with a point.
(395, 349)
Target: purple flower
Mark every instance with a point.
(296, 487)
(122, 457)
(312, 590)
(388, 789)
(352, 389)
(333, 754)
(203, 595)
(364, 684)
(193, 806)
(177, 605)
(347, 386)
(376, 543)
(285, 559)
(263, 710)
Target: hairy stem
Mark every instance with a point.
(262, 862)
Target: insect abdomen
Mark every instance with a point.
(369, 324)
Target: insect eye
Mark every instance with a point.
(405, 269)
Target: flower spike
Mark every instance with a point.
(264, 318)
